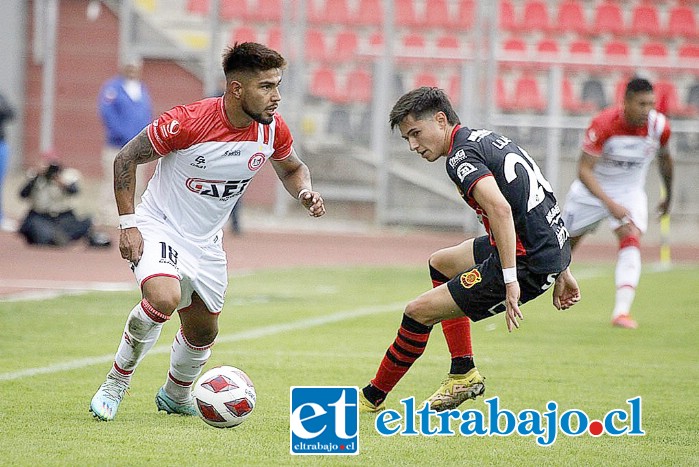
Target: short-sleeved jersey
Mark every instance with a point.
(542, 239)
(625, 152)
(207, 164)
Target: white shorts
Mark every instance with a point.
(583, 211)
(200, 267)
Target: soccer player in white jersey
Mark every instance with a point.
(619, 146)
(207, 153)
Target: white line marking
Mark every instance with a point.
(265, 331)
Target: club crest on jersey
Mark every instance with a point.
(220, 189)
(256, 161)
(470, 278)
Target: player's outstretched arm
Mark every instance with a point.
(296, 178)
(566, 291)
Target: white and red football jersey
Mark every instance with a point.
(207, 164)
(624, 151)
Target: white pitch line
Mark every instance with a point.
(235, 337)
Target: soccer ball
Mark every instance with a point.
(224, 397)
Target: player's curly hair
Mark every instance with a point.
(421, 102)
(251, 57)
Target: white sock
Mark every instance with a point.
(141, 332)
(627, 275)
(186, 362)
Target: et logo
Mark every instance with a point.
(324, 420)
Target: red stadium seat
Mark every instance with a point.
(581, 52)
(376, 41)
(346, 45)
(571, 18)
(198, 7)
(547, 48)
(359, 86)
(506, 15)
(668, 102)
(274, 38)
(466, 14)
(405, 16)
(425, 78)
(234, 9)
(448, 46)
(515, 52)
(645, 20)
(682, 22)
(609, 19)
(267, 10)
(333, 12)
(369, 13)
(535, 16)
(688, 52)
(437, 15)
(414, 42)
(324, 84)
(654, 51)
(616, 53)
(528, 96)
(315, 47)
(243, 34)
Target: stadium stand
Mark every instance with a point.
(405, 16)
(243, 34)
(465, 14)
(506, 16)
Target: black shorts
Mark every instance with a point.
(480, 291)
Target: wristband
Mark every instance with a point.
(509, 275)
(302, 192)
(127, 221)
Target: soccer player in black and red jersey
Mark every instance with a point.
(526, 249)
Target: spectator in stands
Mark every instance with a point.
(125, 107)
(619, 145)
(51, 219)
(6, 113)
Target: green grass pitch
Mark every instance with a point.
(307, 327)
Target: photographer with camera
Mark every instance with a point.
(51, 219)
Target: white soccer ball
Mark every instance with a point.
(224, 396)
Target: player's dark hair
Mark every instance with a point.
(637, 85)
(251, 57)
(421, 102)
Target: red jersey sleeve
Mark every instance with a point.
(665, 135)
(282, 139)
(595, 137)
(167, 132)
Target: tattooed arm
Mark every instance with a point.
(137, 151)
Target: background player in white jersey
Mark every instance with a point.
(526, 249)
(618, 148)
(207, 153)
